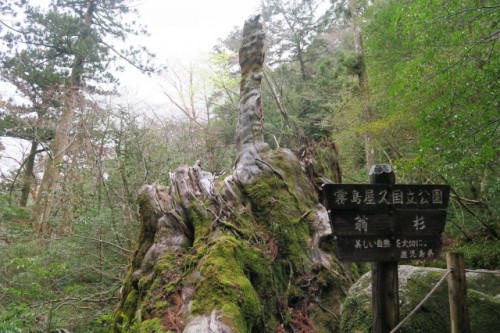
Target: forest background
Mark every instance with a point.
(410, 83)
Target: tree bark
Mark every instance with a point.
(363, 83)
(457, 291)
(240, 254)
(28, 175)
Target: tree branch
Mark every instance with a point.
(104, 242)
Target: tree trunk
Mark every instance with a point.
(363, 83)
(43, 208)
(28, 175)
(45, 198)
(248, 253)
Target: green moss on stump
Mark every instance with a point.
(131, 303)
(225, 283)
(200, 220)
(252, 266)
(279, 212)
(151, 326)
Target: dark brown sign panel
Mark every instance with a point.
(379, 222)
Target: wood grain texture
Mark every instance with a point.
(457, 290)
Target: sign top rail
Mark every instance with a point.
(385, 196)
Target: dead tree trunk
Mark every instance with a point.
(249, 253)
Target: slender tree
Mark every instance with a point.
(363, 81)
(349, 11)
(293, 26)
(75, 36)
(35, 79)
(43, 206)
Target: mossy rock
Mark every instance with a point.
(434, 316)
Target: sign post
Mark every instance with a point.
(457, 291)
(385, 283)
(383, 223)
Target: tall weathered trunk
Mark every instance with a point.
(242, 254)
(249, 136)
(363, 82)
(43, 208)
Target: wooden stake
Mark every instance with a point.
(457, 290)
(385, 283)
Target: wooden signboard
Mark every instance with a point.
(387, 222)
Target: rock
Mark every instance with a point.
(483, 292)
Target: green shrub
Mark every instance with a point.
(483, 254)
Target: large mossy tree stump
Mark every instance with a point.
(242, 254)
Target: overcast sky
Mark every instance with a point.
(182, 31)
(185, 27)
